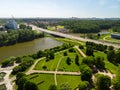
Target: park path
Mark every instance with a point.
(56, 72)
(104, 73)
(80, 51)
(55, 77)
(32, 67)
(7, 80)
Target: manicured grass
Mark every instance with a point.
(73, 81)
(59, 26)
(74, 42)
(108, 65)
(51, 28)
(73, 67)
(51, 65)
(42, 80)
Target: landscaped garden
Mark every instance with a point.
(62, 59)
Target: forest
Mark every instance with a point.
(89, 26)
(15, 36)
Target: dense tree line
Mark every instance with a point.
(88, 26)
(23, 26)
(15, 36)
(116, 28)
(26, 62)
(99, 47)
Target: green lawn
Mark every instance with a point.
(109, 66)
(59, 26)
(73, 81)
(42, 80)
(51, 65)
(73, 67)
(74, 42)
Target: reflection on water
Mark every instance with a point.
(28, 47)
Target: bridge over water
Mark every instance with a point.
(73, 37)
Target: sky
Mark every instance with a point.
(60, 8)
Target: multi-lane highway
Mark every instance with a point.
(73, 37)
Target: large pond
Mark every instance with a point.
(28, 47)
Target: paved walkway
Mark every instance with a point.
(8, 81)
(80, 51)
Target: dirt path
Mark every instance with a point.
(80, 51)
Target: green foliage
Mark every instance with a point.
(114, 56)
(8, 62)
(21, 83)
(26, 63)
(53, 87)
(86, 73)
(89, 51)
(71, 50)
(83, 85)
(15, 36)
(30, 86)
(99, 47)
(65, 53)
(65, 86)
(116, 28)
(103, 82)
(116, 80)
(90, 61)
(81, 47)
(77, 60)
(68, 61)
(19, 75)
(99, 62)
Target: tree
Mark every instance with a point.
(83, 85)
(39, 54)
(77, 60)
(86, 73)
(72, 50)
(65, 86)
(89, 51)
(111, 56)
(90, 61)
(19, 75)
(99, 62)
(116, 80)
(110, 48)
(52, 55)
(53, 87)
(103, 82)
(21, 83)
(65, 53)
(22, 26)
(30, 86)
(68, 61)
